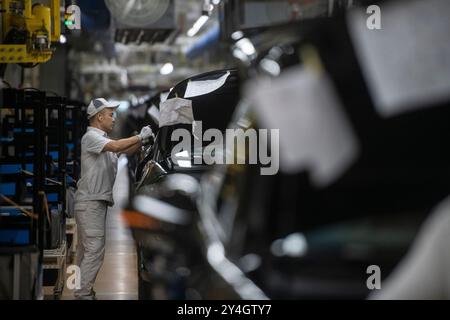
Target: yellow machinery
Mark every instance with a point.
(28, 31)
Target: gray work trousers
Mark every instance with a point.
(90, 217)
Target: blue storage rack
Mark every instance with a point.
(26, 147)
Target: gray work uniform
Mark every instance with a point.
(93, 196)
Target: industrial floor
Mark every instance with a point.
(117, 279)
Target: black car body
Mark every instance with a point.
(171, 259)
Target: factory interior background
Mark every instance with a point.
(288, 149)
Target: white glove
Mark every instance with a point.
(146, 132)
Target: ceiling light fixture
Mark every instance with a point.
(197, 26)
(166, 69)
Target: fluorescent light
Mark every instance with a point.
(197, 26)
(62, 39)
(215, 2)
(166, 69)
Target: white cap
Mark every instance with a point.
(98, 104)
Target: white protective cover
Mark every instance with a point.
(176, 111)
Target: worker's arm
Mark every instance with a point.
(133, 149)
(119, 146)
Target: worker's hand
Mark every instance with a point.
(146, 132)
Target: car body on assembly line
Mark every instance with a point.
(171, 262)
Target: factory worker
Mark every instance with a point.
(95, 188)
